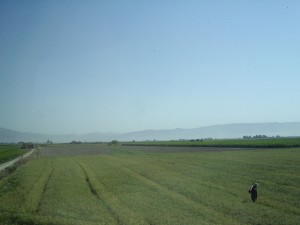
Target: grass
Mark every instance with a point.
(240, 143)
(8, 152)
(131, 187)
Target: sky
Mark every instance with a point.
(120, 66)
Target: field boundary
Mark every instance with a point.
(5, 165)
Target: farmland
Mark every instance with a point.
(8, 152)
(95, 184)
(240, 143)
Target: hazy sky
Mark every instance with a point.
(117, 66)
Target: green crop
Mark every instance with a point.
(236, 143)
(8, 152)
(155, 188)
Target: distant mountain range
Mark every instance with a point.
(236, 130)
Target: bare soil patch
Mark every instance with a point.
(95, 149)
(74, 150)
(173, 149)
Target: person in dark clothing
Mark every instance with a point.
(253, 191)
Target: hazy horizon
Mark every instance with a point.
(169, 129)
(123, 66)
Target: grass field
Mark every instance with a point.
(124, 186)
(240, 143)
(8, 152)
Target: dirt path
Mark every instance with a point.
(11, 162)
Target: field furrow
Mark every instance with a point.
(68, 196)
(98, 196)
(197, 207)
(120, 212)
(45, 186)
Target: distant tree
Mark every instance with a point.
(247, 137)
(28, 145)
(75, 142)
(260, 136)
(113, 142)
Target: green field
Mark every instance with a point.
(143, 187)
(240, 143)
(8, 152)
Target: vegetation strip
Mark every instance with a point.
(231, 143)
(9, 152)
(11, 162)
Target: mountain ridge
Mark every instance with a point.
(220, 131)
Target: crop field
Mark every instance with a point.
(137, 185)
(8, 152)
(240, 143)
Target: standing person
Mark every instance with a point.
(253, 191)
